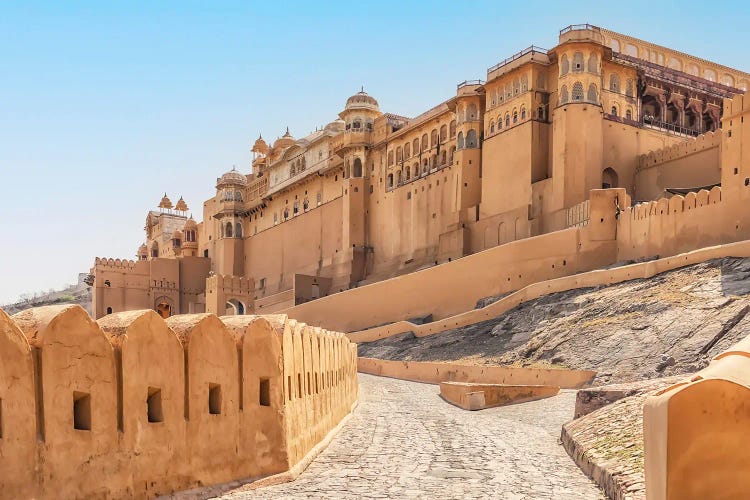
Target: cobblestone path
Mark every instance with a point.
(404, 441)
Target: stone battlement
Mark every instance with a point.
(680, 150)
(136, 406)
(115, 263)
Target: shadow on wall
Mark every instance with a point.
(135, 406)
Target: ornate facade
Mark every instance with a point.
(374, 195)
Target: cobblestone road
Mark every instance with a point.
(405, 442)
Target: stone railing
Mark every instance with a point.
(133, 406)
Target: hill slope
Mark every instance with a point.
(670, 324)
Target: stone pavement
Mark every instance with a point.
(405, 442)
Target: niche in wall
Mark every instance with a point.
(264, 393)
(153, 405)
(81, 411)
(214, 399)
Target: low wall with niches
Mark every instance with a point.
(696, 431)
(136, 406)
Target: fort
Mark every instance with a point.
(226, 349)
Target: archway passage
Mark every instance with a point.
(609, 178)
(164, 309)
(234, 307)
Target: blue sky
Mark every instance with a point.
(104, 106)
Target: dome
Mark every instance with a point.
(191, 224)
(181, 205)
(143, 249)
(260, 146)
(362, 100)
(165, 202)
(284, 141)
(336, 126)
(232, 177)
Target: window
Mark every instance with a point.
(577, 91)
(629, 88)
(593, 65)
(443, 133)
(81, 411)
(425, 144)
(214, 399)
(399, 154)
(305, 205)
(523, 113)
(398, 178)
(629, 114)
(358, 166)
(390, 181)
(471, 139)
(472, 112)
(592, 95)
(434, 138)
(415, 146)
(578, 62)
(295, 211)
(407, 150)
(563, 94)
(460, 140)
(492, 126)
(564, 65)
(452, 129)
(515, 116)
(228, 230)
(614, 83)
(154, 410)
(238, 230)
(613, 112)
(507, 120)
(407, 173)
(320, 198)
(499, 123)
(109, 310)
(264, 392)
(390, 158)
(205, 252)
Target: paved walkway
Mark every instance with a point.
(404, 441)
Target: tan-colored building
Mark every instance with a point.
(373, 195)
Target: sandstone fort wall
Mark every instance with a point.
(136, 406)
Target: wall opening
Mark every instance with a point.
(264, 392)
(214, 399)
(153, 405)
(299, 385)
(609, 178)
(109, 310)
(289, 387)
(1, 418)
(81, 411)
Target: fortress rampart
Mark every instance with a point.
(136, 406)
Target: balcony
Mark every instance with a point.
(581, 32)
(532, 53)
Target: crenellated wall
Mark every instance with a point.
(694, 163)
(136, 406)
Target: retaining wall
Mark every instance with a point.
(135, 406)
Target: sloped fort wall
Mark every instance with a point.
(136, 406)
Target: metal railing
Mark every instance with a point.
(528, 50)
(650, 122)
(576, 27)
(467, 83)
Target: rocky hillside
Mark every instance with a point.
(670, 324)
(79, 293)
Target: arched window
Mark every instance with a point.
(452, 128)
(629, 114)
(286, 213)
(295, 210)
(390, 181)
(592, 95)
(425, 144)
(460, 140)
(357, 167)
(407, 173)
(305, 205)
(442, 158)
(609, 178)
(237, 230)
(515, 116)
(471, 112)
(450, 155)
(613, 112)
(577, 94)
(523, 113)
(492, 126)
(398, 177)
(357, 124)
(399, 154)
(507, 120)
(563, 94)
(499, 123)
(629, 87)
(390, 158)
(614, 82)
(516, 86)
(564, 65)
(415, 168)
(593, 64)
(228, 230)
(433, 138)
(524, 83)
(578, 62)
(407, 150)
(471, 139)
(443, 133)
(415, 146)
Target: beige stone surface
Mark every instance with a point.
(471, 396)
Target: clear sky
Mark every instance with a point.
(104, 106)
